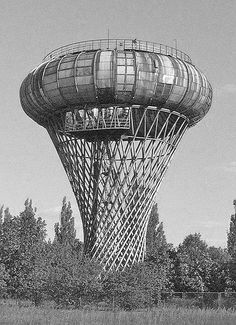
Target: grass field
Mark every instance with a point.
(17, 315)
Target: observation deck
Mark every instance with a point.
(117, 44)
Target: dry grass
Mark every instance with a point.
(16, 315)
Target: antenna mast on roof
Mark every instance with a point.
(108, 37)
(175, 41)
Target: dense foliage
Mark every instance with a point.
(32, 267)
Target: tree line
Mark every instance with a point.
(32, 267)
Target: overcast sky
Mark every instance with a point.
(198, 190)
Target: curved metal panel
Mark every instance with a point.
(125, 76)
(84, 78)
(50, 84)
(179, 87)
(145, 78)
(194, 84)
(66, 79)
(38, 92)
(105, 77)
(165, 79)
(29, 95)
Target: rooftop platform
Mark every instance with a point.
(117, 44)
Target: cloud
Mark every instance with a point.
(227, 89)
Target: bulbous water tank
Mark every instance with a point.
(115, 76)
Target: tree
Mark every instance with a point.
(1, 217)
(65, 230)
(9, 249)
(194, 263)
(22, 241)
(153, 224)
(4, 277)
(157, 249)
(32, 230)
(138, 286)
(35, 269)
(231, 245)
(218, 276)
(63, 277)
(231, 236)
(1, 222)
(156, 244)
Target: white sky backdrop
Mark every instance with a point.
(200, 185)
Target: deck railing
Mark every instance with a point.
(97, 119)
(118, 44)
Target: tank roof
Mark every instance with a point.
(117, 44)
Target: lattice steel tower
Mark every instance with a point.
(115, 111)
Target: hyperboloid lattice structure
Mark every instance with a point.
(116, 111)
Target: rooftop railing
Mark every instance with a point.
(118, 44)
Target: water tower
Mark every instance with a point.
(116, 111)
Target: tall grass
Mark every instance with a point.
(16, 315)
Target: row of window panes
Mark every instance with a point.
(66, 82)
(107, 65)
(68, 58)
(84, 80)
(63, 74)
(67, 65)
(86, 56)
(128, 79)
(191, 95)
(125, 55)
(205, 89)
(50, 86)
(51, 78)
(85, 71)
(84, 63)
(51, 68)
(88, 71)
(124, 87)
(125, 61)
